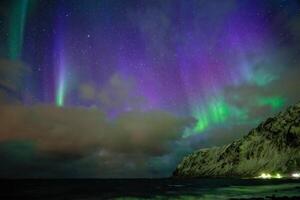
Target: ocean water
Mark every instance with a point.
(90, 189)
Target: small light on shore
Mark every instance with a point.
(265, 176)
(296, 175)
(278, 176)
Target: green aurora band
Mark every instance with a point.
(16, 29)
(60, 96)
(218, 111)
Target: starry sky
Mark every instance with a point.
(118, 89)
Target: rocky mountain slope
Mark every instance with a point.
(272, 147)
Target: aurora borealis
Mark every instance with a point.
(16, 28)
(108, 82)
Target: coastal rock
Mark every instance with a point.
(272, 147)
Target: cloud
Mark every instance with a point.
(12, 74)
(148, 131)
(77, 133)
(87, 92)
(117, 95)
(79, 130)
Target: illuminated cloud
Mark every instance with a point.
(78, 133)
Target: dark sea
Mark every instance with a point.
(150, 189)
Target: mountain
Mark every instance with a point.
(273, 147)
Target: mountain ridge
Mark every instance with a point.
(272, 147)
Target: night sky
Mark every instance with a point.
(126, 88)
